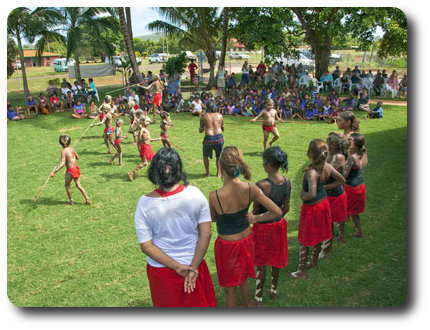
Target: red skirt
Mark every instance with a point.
(271, 244)
(74, 171)
(234, 261)
(356, 198)
(117, 141)
(167, 288)
(315, 223)
(338, 207)
(158, 99)
(102, 115)
(269, 128)
(146, 151)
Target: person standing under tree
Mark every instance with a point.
(212, 123)
(69, 156)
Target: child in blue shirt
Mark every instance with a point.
(31, 106)
(376, 112)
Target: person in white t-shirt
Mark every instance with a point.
(173, 227)
(197, 106)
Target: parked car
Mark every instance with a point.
(334, 58)
(158, 58)
(118, 60)
(307, 63)
(217, 54)
(239, 55)
(62, 64)
(190, 56)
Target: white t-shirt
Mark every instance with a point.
(171, 223)
(197, 106)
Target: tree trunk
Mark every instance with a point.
(22, 59)
(78, 70)
(128, 38)
(321, 49)
(211, 60)
(226, 19)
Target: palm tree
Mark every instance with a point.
(76, 22)
(25, 24)
(127, 32)
(198, 27)
(225, 21)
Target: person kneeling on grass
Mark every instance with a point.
(173, 227)
(69, 156)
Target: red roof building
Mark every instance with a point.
(31, 60)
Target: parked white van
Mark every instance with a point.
(61, 64)
(158, 58)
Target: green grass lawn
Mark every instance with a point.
(82, 255)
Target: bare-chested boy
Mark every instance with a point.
(212, 123)
(268, 116)
(164, 125)
(68, 158)
(117, 144)
(109, 129)
(158, 85)
(135, 126)
(143, 145)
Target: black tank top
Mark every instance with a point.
(335, 191)
(321, 193)
(277, 194)
(232, 223)
(355, 177)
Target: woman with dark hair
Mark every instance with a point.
(173, 227)
(270, 237)
(354, 186)
(349, 123)
(234, 247)
(315, 214)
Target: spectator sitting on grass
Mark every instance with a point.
(376, 112)
(12, 114)
(43, 104)
(363, 101)
(56, 103)
(31, 106)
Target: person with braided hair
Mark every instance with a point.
(349, 123)
(270, 237)
(234, 246)
(315, 214)
(354, 186)
(173, 227)
(336, 143)
(69, 156)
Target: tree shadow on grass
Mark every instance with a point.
(120, 176)
(85, 152)
(253, 154)
(43, 201)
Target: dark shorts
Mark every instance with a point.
(213, 142)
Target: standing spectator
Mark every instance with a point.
(175, 242)
(221, 80)
(192, 67)
(245, 74)
(261, 69)
(403, 86)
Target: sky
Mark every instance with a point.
(140, 17)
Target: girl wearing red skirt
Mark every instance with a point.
(354, 185)
(234, 247)
(173, 227)
(315, 215)
(336, 196)
(270, 237)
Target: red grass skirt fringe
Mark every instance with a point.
(338, 207)
(356, 198)
(74, 171)
(234, 261)
(167, 288)
(146, 151)
(315, 223)
(271, 244)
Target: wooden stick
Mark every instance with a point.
(84, 132)
(138, 84)
(177, 145)
(44, 186)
